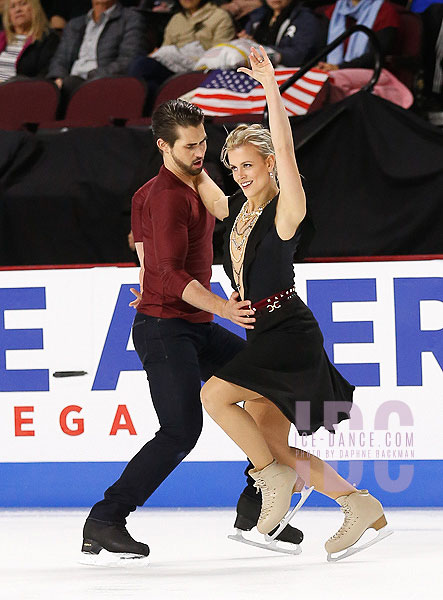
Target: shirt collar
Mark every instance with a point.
(104, 15)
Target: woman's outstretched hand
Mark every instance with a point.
(261, 67)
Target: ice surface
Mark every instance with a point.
(191, 559)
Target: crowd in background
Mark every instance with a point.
(72, 41)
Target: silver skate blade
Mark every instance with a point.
(304, 495)
(113, 559)
(271, 545)
(384, 533)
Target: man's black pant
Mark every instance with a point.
(176, 356)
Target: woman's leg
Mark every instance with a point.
(362, 511)
(276, 482)
(220, 399)
(274, 427)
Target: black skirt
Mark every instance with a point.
(285, 362)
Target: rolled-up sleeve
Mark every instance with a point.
(170, 222)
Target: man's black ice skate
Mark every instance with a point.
(248, 511)
(112, 537)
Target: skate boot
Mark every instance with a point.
(362, 512)
(277, 484)
(248, 511)
(113, 537)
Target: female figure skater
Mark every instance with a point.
(283, 375)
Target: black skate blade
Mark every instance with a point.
(113, 559)
(384, 533)
(272, 545)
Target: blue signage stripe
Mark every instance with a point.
(198, 484)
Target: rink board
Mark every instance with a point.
(196, 484)
(64, 440)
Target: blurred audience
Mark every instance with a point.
(160, 6)
(240, 8)
(292, 30)
(26, 43)
(157, 14)
(59, 12)
(356, 52)
(197, 26)
(100, 43)
(433, 55)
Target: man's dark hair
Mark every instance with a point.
(172, 113)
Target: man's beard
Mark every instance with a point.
(188, 169)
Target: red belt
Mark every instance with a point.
(274, 302)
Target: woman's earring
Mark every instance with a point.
(271, 175)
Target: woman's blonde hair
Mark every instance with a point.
(254, 134)
(39, 24)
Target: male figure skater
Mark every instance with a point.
(173, 333)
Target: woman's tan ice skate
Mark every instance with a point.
(362, 512)
(277, 483)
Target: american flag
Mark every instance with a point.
(225, 93)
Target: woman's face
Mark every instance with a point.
(250, 170)
(190, 5)
(20, 14)
(278, 5)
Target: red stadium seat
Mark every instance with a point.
(172, 88)
(24, 102)
(405, 61)
(101, 101)
(177, 85)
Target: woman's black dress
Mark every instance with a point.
(284, 359)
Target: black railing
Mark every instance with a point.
(367, 87)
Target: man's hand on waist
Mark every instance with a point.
(239, 311)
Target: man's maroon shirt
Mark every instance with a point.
(176, 230)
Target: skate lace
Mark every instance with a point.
(268, 496)
(347, 523)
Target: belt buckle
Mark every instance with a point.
(275, 305)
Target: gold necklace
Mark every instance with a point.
(239, 238)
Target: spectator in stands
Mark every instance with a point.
(26, 44)
(2, 7)
(100, 43)
(198, 25)
(59, 12)
(167, 6)
(291, 29)
(240, 9)
(356, 52)
(157, 14)
(433, 58)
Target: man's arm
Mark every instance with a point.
(170, 233)
(61, 63)
(239, 312)
(137, 203)
(141, 274)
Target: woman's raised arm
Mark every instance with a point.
(291, 207)
(212, 196)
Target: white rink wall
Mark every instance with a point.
(65, 439)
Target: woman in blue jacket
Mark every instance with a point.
(291, 29)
